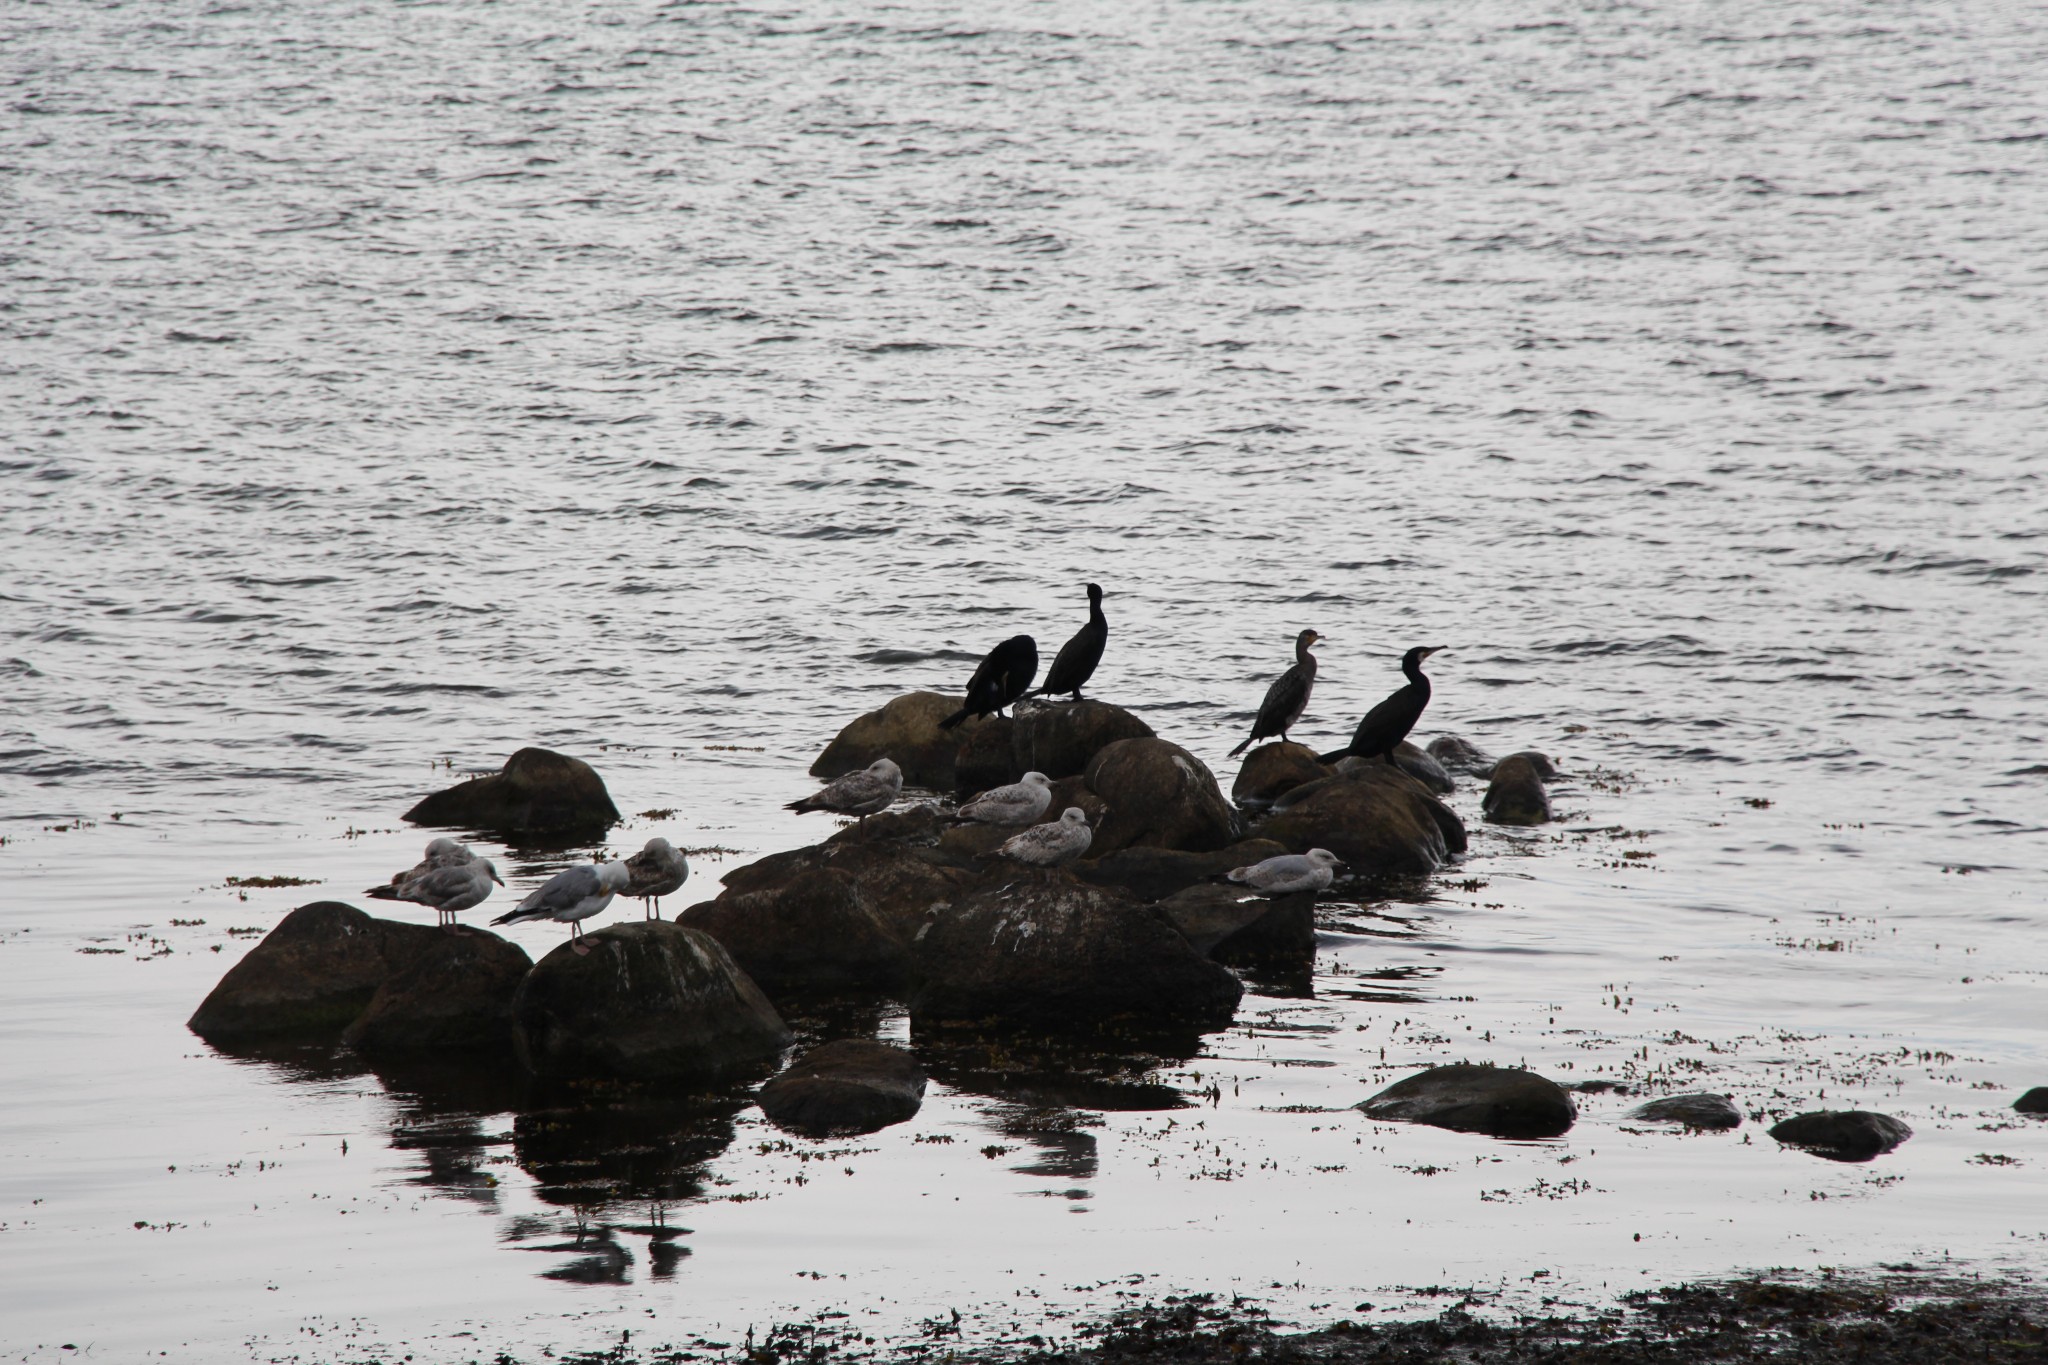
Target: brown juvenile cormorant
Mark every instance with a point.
(1075, 663)
(1287, 698)
(1389, 723)
(1001, 678)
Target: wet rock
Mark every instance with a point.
(651, 1000)
(1159, 796)
(1378, 819)
(812, 934)
(1693, 1111)
(2035, 1101)
(906, 730)
(1232, 925)
(1545, 769)
(1270, 771)
(1460, 756)
(1500, 1101)
(1151, 874)
(970, 845)
(1058, 738)
(1516, 795)
(538, 791)
(851, 1086)
(986, 756)
(1421, 765)
(455, 993)
(899, 879)
(311, 975)
(1040, 951)
(1842, 1134)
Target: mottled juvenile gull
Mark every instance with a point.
(1020, 803)
(1051, 845)
(1387, 724)
(1287, 698)
(1310, 871)
(1075, 663)
(860, 793)
(1001, 677)
(442, 852)
(450, 888)
(572, 896)
(657, 870)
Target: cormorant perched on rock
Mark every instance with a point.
(1287, 698)
(861, 793)
(1389, 723)
(1001, 678)
(1075, 663)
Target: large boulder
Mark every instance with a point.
(1516, 795)
(1160, 796)
(1378, 819)
(311, 975)
(1701, 1110)
(1271, 771)
(1058, 738)
(985, 756)
(651, 1000)
(851, 1086)
(538, 791)
(1042, 952)
(906, 730)
(1842, 1134)
(1500, 1101)
(1152, 874)
(1233, 925)
(455, 994)
(813, 934)
(1460, 756)
(899, 879)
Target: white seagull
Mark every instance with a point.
(657, 870)
(1310, 871)
(450, 888)
(1020, 803)
(572, 896)
(862, 793)
(1051, 845)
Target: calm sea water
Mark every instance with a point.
(385, 387)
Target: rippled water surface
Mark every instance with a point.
(385, 387)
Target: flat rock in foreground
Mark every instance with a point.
(851, 1086)
(651, 1000)
(311, 975)
(537, 791)
(1497, 1100)
(1842, 1134)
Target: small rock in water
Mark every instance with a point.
(1545, 769)
(1460, 755)
(1272, 770)
(1500, 1101)
(312, 974)
(455, 994)
(1843, 1134)
(1516, 795)
(2035, 1101)
(538, 790)
(1693, 1111)
(851, 1086)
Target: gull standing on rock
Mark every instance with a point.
(572, 896)
(450, 888)
(1051, 845)
(1289, 872)
(862, 793)
(657, 870)
(1287, 698)
(1020, 803)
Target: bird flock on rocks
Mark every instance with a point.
(450, 878)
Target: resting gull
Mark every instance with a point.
(1051, 845)
(1310, 871)
(450, 888)
(1020, 803)
(658, 870)
(572, 896)
(861, 793)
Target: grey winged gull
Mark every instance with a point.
(1310, 871)
(861, 793)
(1020, 803)
(572, 896)
(1051, 845)
(657, 870)
(450, 888)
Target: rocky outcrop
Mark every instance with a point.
(1059, 738)
(1159, 796)
(852, 1086)
(1235, 926)
(1040, 951)
(1715, 1112)
(311, 975)
(538, 791)
(905, 730)
(812, 934)
(1379, 820)
(1500, 1101)
(1516, 795)
(986, 755)
(1152, 874)
(1460, 756)
(1270, 771)
(455, 993)
(2035, 1101)
(651, 1000)
(1842, 1134)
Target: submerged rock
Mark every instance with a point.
(1500, 1101)
(815, 933)
(651, 1000)
(1041, 951)
(1232, 925)
(905, 730)
(1693, 1111)
(1151, 874)
(537, 791)
(1516, 795)
(1842, 1134)
(2035, 1101)
(851, 1086)
(455, 993)
(1270, 771)
(312, 974)
(1159, 796)
(1059, 738)
(1378, 819)
(1460, 756)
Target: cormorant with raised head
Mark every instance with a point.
(1387, 724)
(1287, 698)
(1001, 678)
(1075, 663)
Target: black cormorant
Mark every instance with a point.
(1075, 663)
(1389, 723)
(1287, 698)
(1001, 678)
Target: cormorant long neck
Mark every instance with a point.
(1095, 616)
